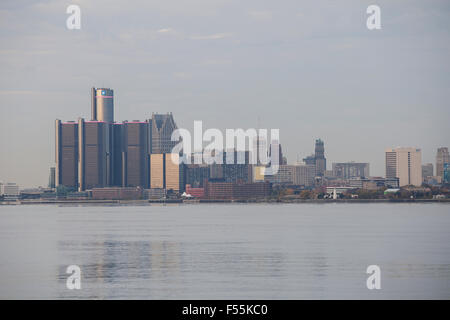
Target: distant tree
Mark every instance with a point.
(305, 194)
(62, 190)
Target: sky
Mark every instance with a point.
(309, 68)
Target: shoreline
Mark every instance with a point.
(209, 201)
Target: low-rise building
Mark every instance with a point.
(195, 192)
(9, 191)
(155, 193)
(117, 193)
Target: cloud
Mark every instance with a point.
(165, 30)
(212, 36)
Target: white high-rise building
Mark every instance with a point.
(404, 164)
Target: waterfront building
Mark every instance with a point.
(427, 171)
(372, 182)
(117, 193)
(157, 171)
(320, 160)
(154, 194)
(347, 170)
(102, 104)
(196, 192)
(405, 164)
(9, 191)
(299, 174)
(173, 172)
(215, 190)
(118, 154)
(52, 178)
(66, 154)
(94, 154)
(196, 174)
(136, 157)
(161, 128)
(442, 157)
(166, 172)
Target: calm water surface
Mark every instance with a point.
(226, 251)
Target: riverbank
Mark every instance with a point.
(196, 201)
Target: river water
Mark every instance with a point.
(226, 251)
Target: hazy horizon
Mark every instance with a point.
(311, 69)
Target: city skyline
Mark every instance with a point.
(312, 70)
(104, 112)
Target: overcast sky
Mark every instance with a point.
(310, 68)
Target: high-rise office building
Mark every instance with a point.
(310, 161)
(404, 164)
(196, 174)
(102, 104)
(101, 153)
(172, 172)
(117, 154)
(347, 170)
(427, 171)
(299, 174)
(157, 171)
(442, 157)
(136, 157)
(94, 154)
(66, 152)
(52, 178)
(319, 155)
(161, 129)
(166, 172)
(446, 178)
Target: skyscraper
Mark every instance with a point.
(166, 172)
(94, 154)
(427, 170)
(346, 170)
(102, 104)
(320, 160)
(117, 154)
(136, 157)
(172, 172)
(52, 178)
(157, 171)
(442, 157)
(161, 128)
(101, 153)
(404, 164)
(66, 154)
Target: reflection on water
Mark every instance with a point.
(240, 251)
